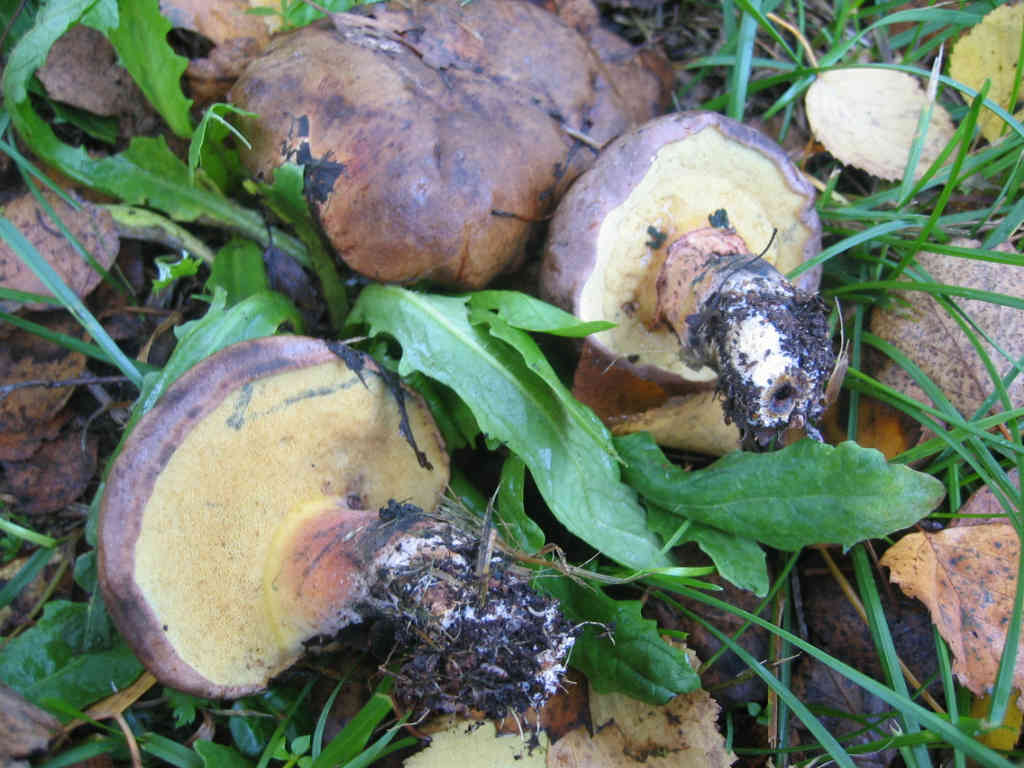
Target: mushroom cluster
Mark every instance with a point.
(285, 488)
(680, 235)
(436, 136)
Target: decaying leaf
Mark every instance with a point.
(90, 224)
(967, 576)
(929, 336)
(221, 21)
(989, 52)
(82, 70)
(237, 36)
(629, 734)
(25, 729)
(26, 357)
(17, 446)
(868, 118)
(476, 745)
(55, 475)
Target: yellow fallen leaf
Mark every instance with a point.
(628, 734)
(967, 576)
(472, 744)
(115, 704)
(868, 118)
(989, 52)
(926, 333)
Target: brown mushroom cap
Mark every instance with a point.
(209, 508)
(612, 230)
(434, 135)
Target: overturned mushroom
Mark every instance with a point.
(436, 136)
(680, 234)
(283, 489)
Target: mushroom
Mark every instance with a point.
(281, 490)
(435, 136)
(679, 234)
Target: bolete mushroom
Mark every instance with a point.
(679, 234)
(435, 136)
(282, 489)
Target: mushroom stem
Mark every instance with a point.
(734, 312)
(418, 575)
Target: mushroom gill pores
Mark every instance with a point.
(253, 508)
(436, 136)
(698, 307)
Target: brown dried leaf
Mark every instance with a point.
(26, 357)
(82, 70)
(221, 21)
(17, 446)
(25, 729)
(989, 52)
(56, 475)
(627, 403)
(868, 117)
(967, 576)
(90, 224)
(927, 334)
(238, 37)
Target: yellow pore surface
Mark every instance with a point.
(687, 181)
(270, 446)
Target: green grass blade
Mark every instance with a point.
(938, 725)
(877, 622)
(25, 575)
(744, 52)
(53, 282)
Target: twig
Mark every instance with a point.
(7, 389)
(583, 138)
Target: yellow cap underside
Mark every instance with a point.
(279, 442)
(688, 180)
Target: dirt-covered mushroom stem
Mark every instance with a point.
(281, 490)
(734, 312)
(697, 308)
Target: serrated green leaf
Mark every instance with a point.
(577, 477)
(169, 269)
(626, 655)
(806, 493)
(140, 39)
(148, 173)
(47, 662)
(521, 310)
(738, 560)
(184, 706)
